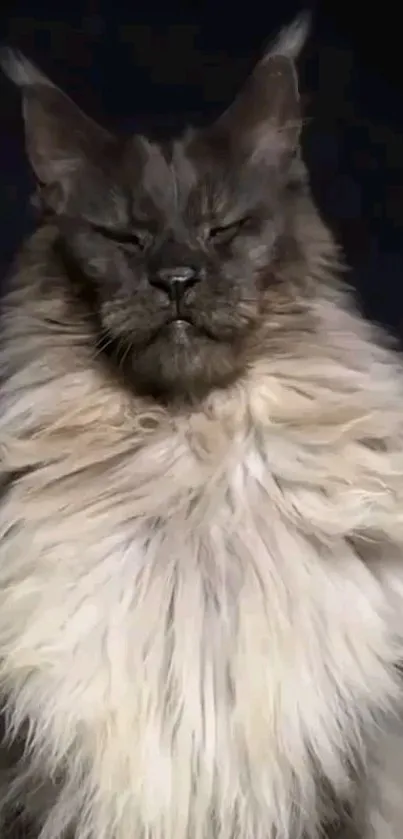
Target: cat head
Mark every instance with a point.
(185, 248)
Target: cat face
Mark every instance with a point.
(177, 248)
(176, 245)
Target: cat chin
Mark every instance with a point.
(182, 362)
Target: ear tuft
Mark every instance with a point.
(291, 40)
(20, 70)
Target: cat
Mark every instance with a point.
(201, 570)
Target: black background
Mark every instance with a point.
(130, 64)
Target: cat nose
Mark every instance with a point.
(175, 281)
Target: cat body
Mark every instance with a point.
(201, 575)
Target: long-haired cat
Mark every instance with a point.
(201, 569)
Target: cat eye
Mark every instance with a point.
(225, 233)
(127, 238)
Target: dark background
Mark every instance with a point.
(130, 64)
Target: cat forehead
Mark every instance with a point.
(165, 176)
(180, 178)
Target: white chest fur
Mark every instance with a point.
(186, 654)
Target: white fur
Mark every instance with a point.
(20, 70)
(187, 625)
(291, 39)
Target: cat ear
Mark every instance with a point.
(264, 121)
(59, 136)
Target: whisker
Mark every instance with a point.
(102, 346)
(128, 349)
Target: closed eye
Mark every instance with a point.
(128, 238)
(225, 233)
